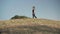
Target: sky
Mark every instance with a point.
(47, 9)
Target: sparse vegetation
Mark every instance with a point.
(19, 17)
(30, 26)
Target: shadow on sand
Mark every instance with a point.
(39, 29)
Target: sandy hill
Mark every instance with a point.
(30, 26)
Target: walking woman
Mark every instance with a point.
(33, 12)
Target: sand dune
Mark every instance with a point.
(30, 26)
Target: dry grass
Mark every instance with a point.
(30, 22)
(30, 26)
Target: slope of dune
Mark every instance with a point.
(30, 22)
(30, 26)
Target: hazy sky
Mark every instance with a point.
(48, 9)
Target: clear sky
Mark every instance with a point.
(47, 9)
